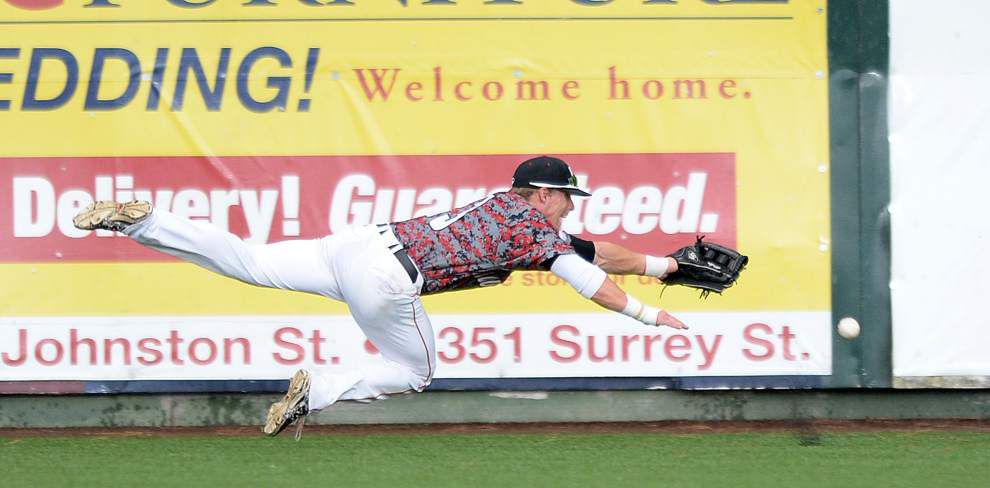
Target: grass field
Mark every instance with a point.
(876, 459)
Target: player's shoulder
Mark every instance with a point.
(517, 206)
(515, 202)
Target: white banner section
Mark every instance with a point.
(468, 346)
(939, 153)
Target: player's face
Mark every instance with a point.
(558, 205)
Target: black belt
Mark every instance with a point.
(399, 252)
(407, 263)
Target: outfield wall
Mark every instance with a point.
(759, 124)
(284, 120)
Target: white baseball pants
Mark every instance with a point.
(353, 266)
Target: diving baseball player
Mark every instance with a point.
(381, 271)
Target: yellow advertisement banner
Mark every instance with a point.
(724, 102)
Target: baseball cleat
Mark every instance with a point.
(293, 406)
(109, 215)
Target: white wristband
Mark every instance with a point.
(656, 266)
(643, 313)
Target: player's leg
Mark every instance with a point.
(293, 265)
(408, 360)
(386, 305)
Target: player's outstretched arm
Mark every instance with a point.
(592, 283)
(613, 298)
(615, 259)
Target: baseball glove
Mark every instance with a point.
(706, 266)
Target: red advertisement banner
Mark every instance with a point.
(647, 202)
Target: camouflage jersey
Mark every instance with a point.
(479, 244)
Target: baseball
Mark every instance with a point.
(848, 328)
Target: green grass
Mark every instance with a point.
(927, 459)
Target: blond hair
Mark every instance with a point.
(523, 192)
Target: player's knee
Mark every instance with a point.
(420, 381)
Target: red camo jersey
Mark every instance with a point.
(479, 244)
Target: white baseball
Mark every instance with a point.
(848, 328)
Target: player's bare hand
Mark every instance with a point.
(669, 320)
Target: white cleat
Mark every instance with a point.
(293, 406)
(109, 215)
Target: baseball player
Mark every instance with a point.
(381, 271)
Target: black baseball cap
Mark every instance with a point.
(547, 172)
